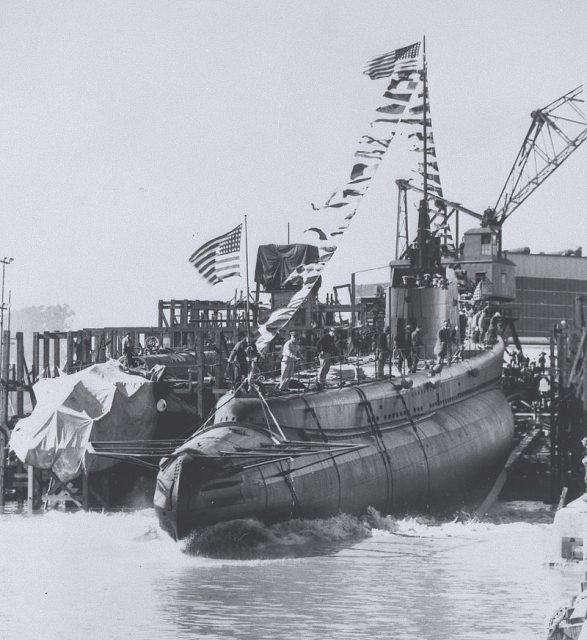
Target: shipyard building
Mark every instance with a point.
(546, 288)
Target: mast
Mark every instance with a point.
(425, 116)
(248, 288)
(423, 220)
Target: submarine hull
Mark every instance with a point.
(393, 448)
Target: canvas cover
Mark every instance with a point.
(102, 402)
(275, 262)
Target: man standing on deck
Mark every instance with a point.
(128, 348)
(289, 356)
(382, 352)
(326, 347)
(417, 347)
(444, 342)
(403, 346)
(238, 358)
(252, 356)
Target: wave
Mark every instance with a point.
(251, 539)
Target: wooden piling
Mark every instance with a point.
(56, 355)
(31, 489)
(19, 374)
(4, 408)
(200, 359)
(46, 354)
(85, 491)
(69, 353)
(218, 369)
(36, 339)
(86, 347)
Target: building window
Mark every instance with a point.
(481, 277)
(504, 279)
(486, 244)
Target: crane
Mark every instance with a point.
(555, 132)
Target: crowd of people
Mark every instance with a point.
(312, 347)
(479, 323)
(533, 376)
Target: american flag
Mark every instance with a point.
(219, 258)
(404, 59)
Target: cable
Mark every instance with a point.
(415, 428)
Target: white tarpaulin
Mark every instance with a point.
(101, 402)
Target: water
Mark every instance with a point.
(68, 576)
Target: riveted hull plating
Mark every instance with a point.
(422, 446)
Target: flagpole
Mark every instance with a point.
(247, 271)
(425, 116)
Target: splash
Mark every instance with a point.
(251, 539)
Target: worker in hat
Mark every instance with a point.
(382, 351)
(326, 347)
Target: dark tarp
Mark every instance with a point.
(276, 261)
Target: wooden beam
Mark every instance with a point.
(69, 354)
(35, 356)
(218, 369)
(19, 373)
(46, 356)
(4, 408)
(31, 489)
(56, 355)
(200, 359)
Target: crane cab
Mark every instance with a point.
(482, 261)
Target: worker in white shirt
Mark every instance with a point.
(289, 356)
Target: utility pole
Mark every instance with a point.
(4, 262)
(4, 366)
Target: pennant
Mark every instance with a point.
(400, 66)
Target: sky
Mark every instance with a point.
(133, 132)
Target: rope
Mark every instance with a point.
(266, 406)
(325, 439)
(382, 448)
(289, 482)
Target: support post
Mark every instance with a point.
(56, 355)
(5, 376)
(69, 355)
(218, 373)
(4, 409)
(247, 311)
(554, 426)
(85, 491)
(31, 487)
(200, 372)
(46, 349)
(353, 308)
(86, 347)
(19, 373)
(36, 340)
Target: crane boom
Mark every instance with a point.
(555, 132)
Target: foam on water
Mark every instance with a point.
(245, 539)
(98, 575)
